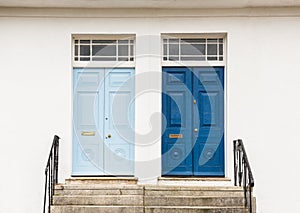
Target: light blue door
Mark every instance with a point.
(193, 109)
(103, 118)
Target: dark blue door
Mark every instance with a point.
(177, 107)
(193, 134)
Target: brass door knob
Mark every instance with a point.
(108, 136)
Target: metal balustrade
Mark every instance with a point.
(242, 172)
(51, 174)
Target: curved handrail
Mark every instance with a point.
(243, 172)
(51, 173)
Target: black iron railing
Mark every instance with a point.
(243, 173)
(51, 174)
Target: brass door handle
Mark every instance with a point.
(195, 130)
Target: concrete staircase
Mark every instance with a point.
(92, 195)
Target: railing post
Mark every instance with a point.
(234, 162)
(245, 182)
(240, 165)
(250, 200)
(52, 177)
(56, 149)
(45, 194)
(49, 188)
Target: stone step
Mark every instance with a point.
(101, 200)
(193, 191)
(98, 186)
(140, 209)
(99, 192)
(109, 194)
(98, 189)
(118, 189)
(97, 209)
(194, 209)
(192, 201)
(194, 188)
(101, 180)
(194, 181)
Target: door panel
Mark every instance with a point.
(119, 147)
(176, 157)
(101, 100)
(208, 151)
(193, 104)
(87, 126)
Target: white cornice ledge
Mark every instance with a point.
(149, 13)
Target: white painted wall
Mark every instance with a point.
(263, 82)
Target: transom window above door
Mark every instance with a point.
(103, 49)
(193, 48)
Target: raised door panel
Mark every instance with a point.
(87, 123)
(119, 119)
(208, 151)
(176, 108)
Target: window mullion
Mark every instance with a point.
(117, 50)
(91, 54)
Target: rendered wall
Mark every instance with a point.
(262, 105)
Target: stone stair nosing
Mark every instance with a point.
(101, 200)
(195, 209)
(193, 201)
(101, 180)
(192, 191)
(97, 209)
(98, 189)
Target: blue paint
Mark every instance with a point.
(177, 107)
(201, 152)
(208, 152)
(99, 96)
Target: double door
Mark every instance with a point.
(193, 121)
(103, 119)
